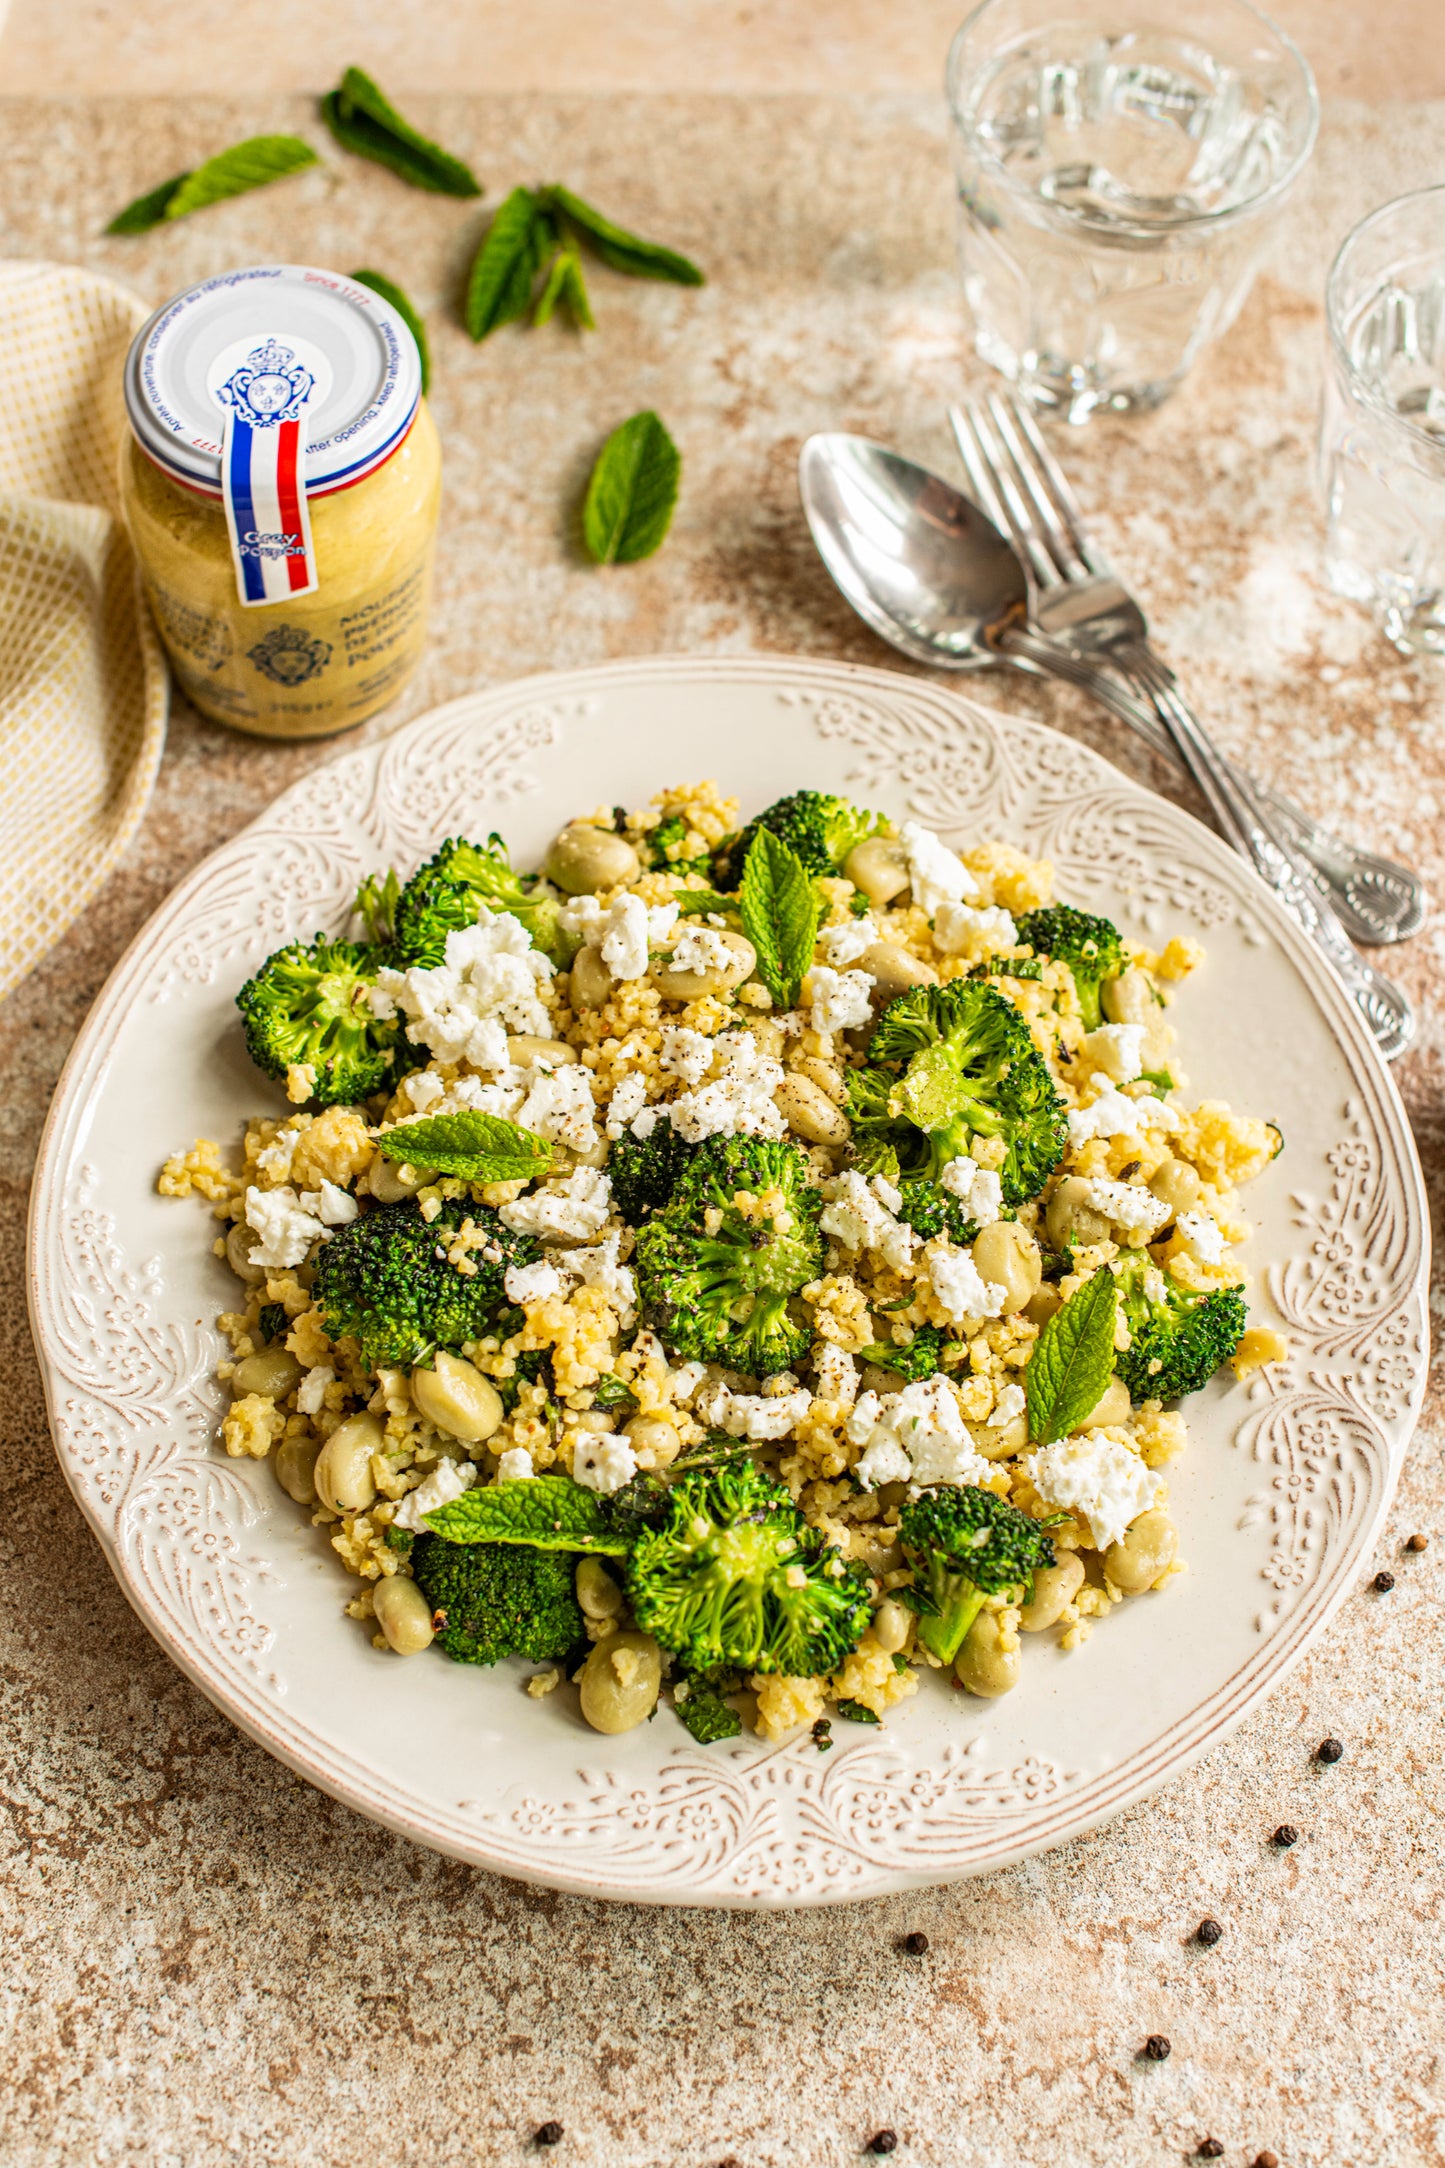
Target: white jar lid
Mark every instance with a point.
(363, 358)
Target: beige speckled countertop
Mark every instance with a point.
(203, 1960)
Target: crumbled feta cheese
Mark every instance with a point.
(1117, 1049)
(602, 1461)
(1097, 1476)
(887, 1193)
(275, 1160)
(840, 999)
(978, 1189)
(699, 948)
(918, 1435)
(960, 930)
(331, 1204)
(756, 1416)
(581, 918)
(837, 1375)
(626, 1103)
(626, 930)
(1009, 1404)
(686, 1054)
(684, 1381)
(600, 1268)
(559, 1106)
(739, 1102)
(448, 1480)
(843, 945)
(515, 1465)
(1201, 1230)
(935, 873)
(857, 1218)
(565, 1211)
(487, 985)
(421, 1090)
(532, 1283)
(311, 1392)
(645, 1123)
(1128, 1205)
(1110, 1113)
(285, 1228)
(958, 1284)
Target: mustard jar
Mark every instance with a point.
(281, 485)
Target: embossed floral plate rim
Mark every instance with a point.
(133, 1409)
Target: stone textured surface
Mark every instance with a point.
(203, 1960)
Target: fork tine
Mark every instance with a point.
(989, 473)
(1044, 517)
(1057, 484)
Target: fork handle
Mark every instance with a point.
(1241, 819)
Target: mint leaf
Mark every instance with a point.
(475, 1146)
(390, 291)
(363, 119)
(691, 900)
(148, 210)
(234, 172)
(499, 286)
(633, 490)
(1072, 1361)
(781, 908)
(549, 1512)
(703, 1712)
(622, 250)
(565, 283)
(854, 1712)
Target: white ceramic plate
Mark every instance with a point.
(1279, 1499)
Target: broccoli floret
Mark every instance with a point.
(454, 888)
(818, 827)
(533, 1364)
(720, 1293)
(310, 1004)
(736, 1579)
(929, 1209)
(645, 1171)
(498, 1599)
(964, 1544)
(375, 905)
(386, 1281)
(1090, 946)
(950, 1063)
(706, 1715)
(663, 839)
(1178, 1337)
(920, 1359)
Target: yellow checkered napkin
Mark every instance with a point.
(82, 679)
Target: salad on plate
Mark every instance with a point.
(739, 1267)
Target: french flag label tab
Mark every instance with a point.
(262, 462)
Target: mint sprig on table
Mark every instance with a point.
(475, 1147)
(780, 909)
(363, 119)
(548, 1512)
(390, 291)
(539, 233)
(234, 172)
(1072, 1361)
(632, 492)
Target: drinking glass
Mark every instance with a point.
(1382, 429)
(1116, 181)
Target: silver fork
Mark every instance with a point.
(1075, 599)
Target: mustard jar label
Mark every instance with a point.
(265, 402)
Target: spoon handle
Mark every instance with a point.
(1242, 821)
(1377, 900)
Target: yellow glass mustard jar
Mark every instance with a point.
(281, 486)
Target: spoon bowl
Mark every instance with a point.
(919, 563)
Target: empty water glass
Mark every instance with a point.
(1382, 431)
(1116, 180)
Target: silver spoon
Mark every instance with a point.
(931, 575)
